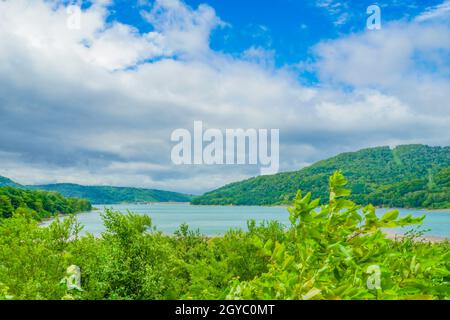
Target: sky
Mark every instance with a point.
(96, 105)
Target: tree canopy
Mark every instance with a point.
(38, 204)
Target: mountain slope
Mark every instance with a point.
(111, 195)
(5, 182)
(104, 194)
(379, 175)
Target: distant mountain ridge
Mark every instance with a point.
(415, 176)
(5, 182)
(112, 195)
(105, 194)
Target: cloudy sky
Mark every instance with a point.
(97, 105)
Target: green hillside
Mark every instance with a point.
(38, 204)
(104, 194)
(5, 182)
(111, 195)
(406, 176)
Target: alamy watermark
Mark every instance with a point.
(374, 19)
(231, 147)
(74, 17)
(374, 280)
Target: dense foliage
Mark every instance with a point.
(38, 204)
(336, 251)
(408, 176)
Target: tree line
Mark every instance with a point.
(38, 204)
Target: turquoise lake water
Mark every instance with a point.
(216, 220)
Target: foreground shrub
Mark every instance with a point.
(340, 252)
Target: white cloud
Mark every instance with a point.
(441, 11)
(404, 60)
(185, 31)
(339, 10)
(260, 56)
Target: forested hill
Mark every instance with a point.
(5, 182)
(414, 176)
(105, 194)
(112, 195)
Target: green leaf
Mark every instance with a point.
(390, 216)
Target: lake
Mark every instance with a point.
(216, 220)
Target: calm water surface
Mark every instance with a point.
(216, 220)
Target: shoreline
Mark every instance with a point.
(438, 210)
(426, 238)
(446, 210)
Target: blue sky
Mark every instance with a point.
(289, 27)
(97, 104)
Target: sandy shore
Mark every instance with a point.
(438, 210)
(396, 235)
